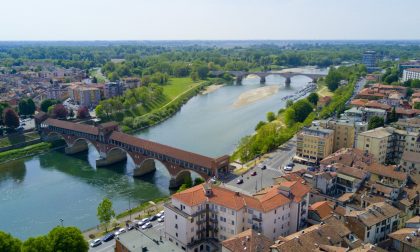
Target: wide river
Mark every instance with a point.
(36, 192)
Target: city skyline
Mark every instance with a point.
(210, 20)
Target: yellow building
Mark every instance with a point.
(314, 144)
(376, 143)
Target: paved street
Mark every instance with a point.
(264, 178)
(156, 230)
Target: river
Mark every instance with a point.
(36, 192)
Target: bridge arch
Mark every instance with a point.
(115, 155)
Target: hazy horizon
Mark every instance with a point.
(141, 20)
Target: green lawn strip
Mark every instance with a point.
(143, 206)
(23, 152)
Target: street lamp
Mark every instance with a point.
(61, 220)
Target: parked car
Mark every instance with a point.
(142, 222)
(254, 173)
(264, 167)
(291, 164)
(239, 181)
(287, 168)
(96, 243)
(147, 225)
(120, 231)
(161, 219)
(153, 218)
(108, 237)
(160, 214)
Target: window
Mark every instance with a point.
(233, 222)
(176, 216)
(176, 226)
(176, 234)
(368, 234)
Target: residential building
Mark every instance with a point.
(331, 233)
(319, 211)
(369, 59)
(208, 212)
(408, 124)
(325, 182)
(313, 144)
(408, 65)
(376, 142)
(413, 222)
(410, 161)
(411, 74)
(135, 241)
(112, 89)
(405, 240)
(349, 179)
(374, 223)
(89, 97)
(249, 240)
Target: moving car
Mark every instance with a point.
(96, 243)
(239, 181)
(264, 167)
(108, 237)
(254, 173)
(147, 225)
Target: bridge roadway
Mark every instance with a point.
(239, 75)
(114, 146)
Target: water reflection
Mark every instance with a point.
(13, 170)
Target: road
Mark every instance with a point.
(157, 229)
(358, 86)
(264, 178)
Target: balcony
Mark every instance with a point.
(214, 220)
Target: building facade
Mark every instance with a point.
(314, 144)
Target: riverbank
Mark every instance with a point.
(27, 151)
(255, 95)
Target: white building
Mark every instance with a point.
(208, 212)
(411, 74)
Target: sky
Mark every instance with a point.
(209, 19)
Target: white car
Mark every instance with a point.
(147, 225)
(143, 221)
(120, 231)
(96, 243)
(288, 168)
(160, 214)
(161, 219)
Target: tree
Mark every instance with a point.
(417, 105)
(83, 113)
(37, 244)
(313, 98)
(289, 103)
(375, 122)
(45, 104)
(59, 111)
(10, 118)
(2, 107)
(271, 116)
(68, 239)
(22, 107)
(105, 212)
(393, 116)
(31, 106)
(333, 79)
(198, 181)
(260, 124)
(302, 109)
(9, 243)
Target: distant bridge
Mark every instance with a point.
(114, 146)
(240, 75)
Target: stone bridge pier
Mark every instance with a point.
(262, 79)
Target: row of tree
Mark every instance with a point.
(68, 239)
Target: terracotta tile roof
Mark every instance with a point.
(192, 196)
(410, 112)
(402, 234)
(249, 240)
(359, 102)
(349, 157)
(163, 149)
(375, 104)
(386, 171)
(415, 219)
(382, 188)
(73, 126)
(350, 171)
(297, 188)
(375, 213)
(332, 233)
(322, 208)
(367, 247)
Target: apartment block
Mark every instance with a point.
(208, 212)
(374, 223)
(377, 142)
(314, 144)
(411, 74)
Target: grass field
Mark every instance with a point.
(323, 90)
(18, 138)
(177, 86)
